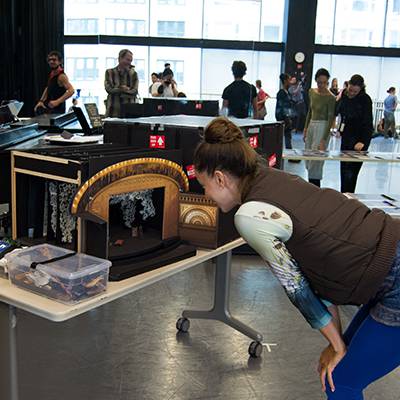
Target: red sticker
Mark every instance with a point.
(253, 141)
(199, 106)
(157, 141)
(272, 160)
(190, 171)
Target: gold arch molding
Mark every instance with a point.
(133, 175)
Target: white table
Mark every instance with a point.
(389, 203)
(338, 155)
(17, 298)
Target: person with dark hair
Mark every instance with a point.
(343, 90)
(58, 89)
(355, 128)
(334, 89)
(168, 87)
(121, 84)
(155, 83)
(240, 97)
(390, 105)
(319, 120)
(262, 97)
(296, 92)
(325, 250)
(284, 109)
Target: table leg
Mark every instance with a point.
(12, 323)
(220, 310)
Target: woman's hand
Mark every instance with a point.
(328, 361)
(358, 146)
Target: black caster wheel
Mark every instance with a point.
(255, 349)
(183, 324)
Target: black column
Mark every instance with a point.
(299, 34)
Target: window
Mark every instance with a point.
(360, 5)
(115, 26)
(232, 19)
(339, 22)
(171, 28)
(87, 26)
(83, 69)
(140, 66)
(111, 62)
(394, 38)
(271, 33)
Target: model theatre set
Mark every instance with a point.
(130, 204)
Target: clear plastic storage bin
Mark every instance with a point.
(68, 280)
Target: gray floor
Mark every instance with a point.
(129, 349)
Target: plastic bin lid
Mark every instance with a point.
(73, 267)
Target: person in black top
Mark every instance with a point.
(58, 88)
(356, 128)
(240, 97)
(284, 108)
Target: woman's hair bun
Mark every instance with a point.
(222, 130)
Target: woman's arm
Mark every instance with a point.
(265, 228)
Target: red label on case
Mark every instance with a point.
(157, 141)
(272, 160)
(253, 141)
(159, 107)
(199, 106)
(190, 171)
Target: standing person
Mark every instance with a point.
(168, 86)
(296, 92)
(155, 84)
(320, 117)
(343, 90)
(58, 87)
(262, 97)
(121, 84)
(334, 89)
(240, 97)
(284, 108)
(390, 105)
(320, 245)
(356, 127)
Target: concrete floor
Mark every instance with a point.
(129, 349)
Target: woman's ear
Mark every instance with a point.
(220, 179)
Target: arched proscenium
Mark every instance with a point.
(150, 167)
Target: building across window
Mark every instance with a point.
(271, 33)
(119, 26)
(86, 26)
(82, 69)
(171, 28)
(360, 5)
